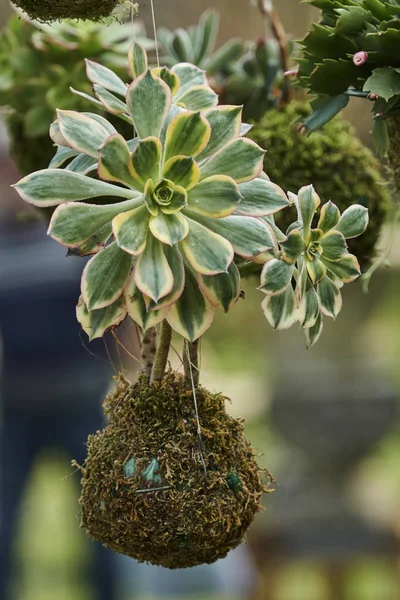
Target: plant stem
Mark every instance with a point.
(164, 343)
(148, 351)
(270, 14)
(191, 363)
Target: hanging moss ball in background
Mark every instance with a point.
(52, 10)
(152, 491)
(339, 166)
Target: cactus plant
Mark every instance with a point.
(191, 211)
(38, 65)
(353, 51)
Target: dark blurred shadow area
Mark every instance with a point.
(51, 386)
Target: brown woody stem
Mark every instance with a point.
(191, 363)
(270, 14)
(161, 359)
(148, 351)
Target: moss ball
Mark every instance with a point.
(153, 491)
(52, 10)
(339, 166)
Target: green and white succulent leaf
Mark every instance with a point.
(149, 100)
(50, 187)
(97, 322)
(347, 269)
(100, 75)
(137, 307)
(83, 164)
(353, 222)
(292, 247)
(73, 223)
(261, 197)
(192, 314)
(153, 275)
(240, 158)
(308, 202)
(314, 333)
(225, 122)
(309, 308)
(94, 243)
(110, 102)
(81, 132)
(330, 298)
(208, 253)
(216, 196)
(137, 59)
(61, 156)
(104, 277)
(249, 236)
(276, 277)
(223, 289)
(329, 217)
(281, 310)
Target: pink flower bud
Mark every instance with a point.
(292, 73)
(360, 58)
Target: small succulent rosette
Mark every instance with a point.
(188, 194)
(303, 281)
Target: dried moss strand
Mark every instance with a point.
(163, 346)
(148, 351)
(191, 363)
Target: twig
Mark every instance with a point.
(269, 13)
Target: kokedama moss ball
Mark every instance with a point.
(333, 160)
(51, 10)
(152, 491)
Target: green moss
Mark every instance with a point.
(333, 160)
(52, 10)
(145, 492)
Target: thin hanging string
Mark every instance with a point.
(155, 32)
(201, 445)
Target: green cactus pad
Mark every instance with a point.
(144, 488)
(333, 159)
(52, 10)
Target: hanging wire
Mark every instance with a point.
(155, 32)
(201, 444)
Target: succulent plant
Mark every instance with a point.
(249, 74)
(38, 65)
(354, 51)
(303, 282)
(339, 165)
(196, 45)
(45, 11)
(184, 175)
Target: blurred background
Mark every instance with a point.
(328, 431)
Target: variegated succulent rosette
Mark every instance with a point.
(303, 281)
(188, 194)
